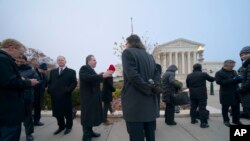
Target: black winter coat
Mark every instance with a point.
(90, 93)
(26, 71)
(169, 84)
(60, 88)
(139, 104)
(245, 86)
(228, 87)
(11, 88)
(39, 89)
(107, 90)
(196, 82)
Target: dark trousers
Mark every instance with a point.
(87, 132)
(106, 107)
(38, 101)
(235, 112)
(10, 133)
(61, 121)
(138, 130)
(169, 112)
(28, 120)
(248, 111)
(201, 103)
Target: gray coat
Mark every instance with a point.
(139, 104)
(169, 84)
(245, 87)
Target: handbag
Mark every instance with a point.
(181, 98)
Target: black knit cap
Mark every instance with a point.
(245, 50)
(43, 66)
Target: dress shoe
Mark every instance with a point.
(95, 135)
(67, 131)
(227, 123)
(238, 123)
(194, 121)
(29, 138)
(204, 125)
(171, 123)
(38, 123)
(86, 139)
(58, 131)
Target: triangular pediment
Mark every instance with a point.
(182, 42)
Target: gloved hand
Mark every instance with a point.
(157, 89)
(238, 79)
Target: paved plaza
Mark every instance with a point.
(184, 131)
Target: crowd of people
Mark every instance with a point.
(22, 91)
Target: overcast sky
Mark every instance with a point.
(77, 28)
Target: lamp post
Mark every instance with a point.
(211, 84)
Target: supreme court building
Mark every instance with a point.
(184, 54)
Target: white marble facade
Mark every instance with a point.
(184, 54)
(181, 52)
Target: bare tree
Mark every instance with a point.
(121, 46)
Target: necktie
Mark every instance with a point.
(60, 72)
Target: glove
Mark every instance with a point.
(238, 79)
(157, 89)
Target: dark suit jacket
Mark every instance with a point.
(60, 88)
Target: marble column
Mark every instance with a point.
(176, 60)
(164, 60)
(182, 63)
(189, 62)
(170, 58)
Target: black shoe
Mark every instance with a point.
(194, 121)
(86, 139)
(58, 131)
(204, 125)
(227, 123)
(95, 135)
(29, 138)
(67, 131)
(38, 123)
(171, 123)
(238, 123)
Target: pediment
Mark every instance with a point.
(181, 42)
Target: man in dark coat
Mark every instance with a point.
(139, 102)
(107, 98)
(169, 86)
(39, 93)
(11, 90)
(245, 86)
(90, 93)
(196, 82)
(228, 80)
(62, 82)
(27, 72)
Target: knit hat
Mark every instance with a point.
(111, 67)
(43, 66)
(245, 50)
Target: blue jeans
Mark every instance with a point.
(10, 133)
